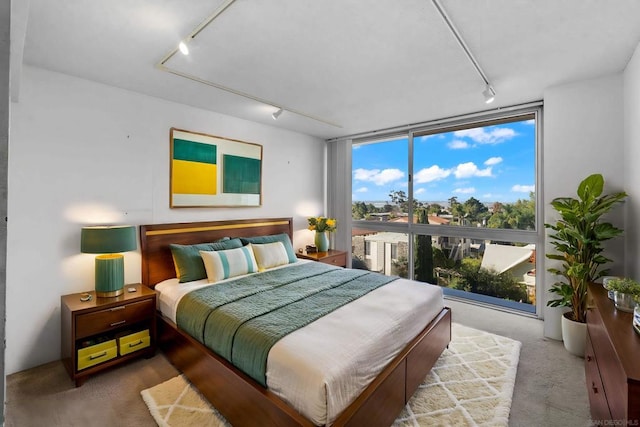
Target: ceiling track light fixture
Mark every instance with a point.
(276, 114)
(184, 49)
(489, 92)
(162, 65)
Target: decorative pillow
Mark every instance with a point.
(228, 263)
(284, 238)
(188, 262)
(269, 255)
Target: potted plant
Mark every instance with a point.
(577, 238)
(625, 293)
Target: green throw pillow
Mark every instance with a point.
(284, 238)
(188, 262)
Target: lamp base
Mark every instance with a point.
(110, 294)
(109, 275)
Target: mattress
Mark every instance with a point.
(321, 368)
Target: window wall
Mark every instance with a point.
(453, 204)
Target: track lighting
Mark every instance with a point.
(277, 114)
(489, 94)
(183, 48)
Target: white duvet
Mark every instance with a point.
(321, 368)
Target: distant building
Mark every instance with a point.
(519, 261)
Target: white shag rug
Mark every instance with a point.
(471, 384)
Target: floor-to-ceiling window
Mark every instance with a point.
(453, 204)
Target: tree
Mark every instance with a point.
(520, 215)
(424, 252)
(360, 210)
(457, 210)
(482, 281)
(401, 200)
(398, 197)
(435, 209)
(474, 210)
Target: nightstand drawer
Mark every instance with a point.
(339, 260)
(100, 321)
(134, 342)
(98, 353)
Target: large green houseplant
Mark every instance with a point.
(577, 238)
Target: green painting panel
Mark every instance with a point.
(194, 151)
(241, 175)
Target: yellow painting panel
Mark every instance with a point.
(193, 178)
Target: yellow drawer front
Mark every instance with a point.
(95, 354)
(134, 342)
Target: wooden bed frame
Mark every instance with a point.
(240, 399)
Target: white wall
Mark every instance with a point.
(632, 164)
(84, 153)
(583, 134)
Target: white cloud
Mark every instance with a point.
(419, 191)
(362, 190)
(468, 190)
(469, 169)
(523, 188)
(493, 161)
(430, 174)
(458, 144)
(530, 122)
(377, 176)
(486, 136)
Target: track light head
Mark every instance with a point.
(276, 114)
(183, 48)
(489, 94)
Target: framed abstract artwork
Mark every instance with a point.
(212, 171)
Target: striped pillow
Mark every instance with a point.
(228, 263)
(269, 255)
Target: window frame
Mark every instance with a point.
(507, 115)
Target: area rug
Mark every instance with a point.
(471, 384)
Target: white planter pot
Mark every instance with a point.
(574, 335)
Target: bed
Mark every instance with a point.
(242, 399)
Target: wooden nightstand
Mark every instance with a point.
(332, 257)
(104, 332)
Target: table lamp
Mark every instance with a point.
(108, 241)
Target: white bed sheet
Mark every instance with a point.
(321, 368)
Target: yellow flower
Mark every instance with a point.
(322, 224)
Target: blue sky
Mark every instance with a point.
(493, 163)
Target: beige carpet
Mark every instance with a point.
(470, 385)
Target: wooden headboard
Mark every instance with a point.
(157, 263)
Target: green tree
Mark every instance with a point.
(423, 267)
(520, 215)
(485, 282)
(474, 210)
(435, 209)
(401, 200)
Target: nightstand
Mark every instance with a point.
(104, 332)
(332, 257)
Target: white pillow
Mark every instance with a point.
(228, 263)
(269, 255)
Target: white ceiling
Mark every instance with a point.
(360, 65)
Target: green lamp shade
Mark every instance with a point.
(108, 239)
(110, 266)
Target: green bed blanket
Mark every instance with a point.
(242, 319)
